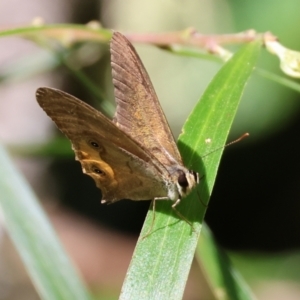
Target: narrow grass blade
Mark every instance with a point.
(161, 261)
(225, 281)
(46, 262)
(65, 33)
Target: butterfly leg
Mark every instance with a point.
(153, 211)
(153, 219)
(180, 215)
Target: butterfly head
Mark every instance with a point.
(185, 181)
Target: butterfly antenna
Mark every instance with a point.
(204, 204)
(229, 144)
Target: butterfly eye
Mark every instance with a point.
(182, 181)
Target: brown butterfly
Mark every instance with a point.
(135, 155)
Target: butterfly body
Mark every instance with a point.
(135, 155)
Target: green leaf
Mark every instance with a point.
(162, 260)
(225, 281)
(287, 82)
(49, 267)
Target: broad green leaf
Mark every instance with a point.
(46, 262)
(161, 261)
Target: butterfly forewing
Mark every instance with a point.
(138, 112)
